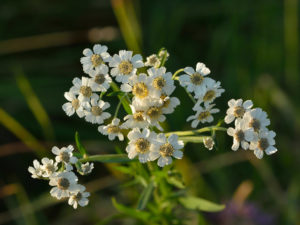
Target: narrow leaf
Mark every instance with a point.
(115, 93)
(125, 101)
(191, 202)
(109, 158)
(80, 147)
(145, 196)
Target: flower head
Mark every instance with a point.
(211, 92)
(153, 60)
(37, 170)
(79, 197)
(208, 143)
(161, 80)
(94, 112)
(237, 109)
(65, 155)
(257, 119)
(113, 130)
(203, 114)
(86, 168)
(100, 78)
(49, 167)
(74, 105)
(264, 142)
(84, 88)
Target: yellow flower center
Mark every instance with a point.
(140, 90)
(166, 150)
(99, 79)
(64, 156)
(139, 116)
(209, 95)
(239, 135)
(125, 67)
(113, 129)
(96, 110)
(197, 78)
(203, 115)
(142, 145)
(263, 144)
(86, 91)
(159, 83)
(154, 112)
(75, 103)
(96, 60)
(238, 111)
(63, 183)
(50, 168)
(255, 124)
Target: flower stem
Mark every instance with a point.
(176, 73)
(119, 105)
(196, 132)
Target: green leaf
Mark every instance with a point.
(145, 196)
(80, 147)
(115, 93)
(124, 100)
(176, 181)
(191, 202)
(132, 213)
(109, 158)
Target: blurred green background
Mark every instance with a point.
(252, 47)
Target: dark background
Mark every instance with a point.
(252, 47)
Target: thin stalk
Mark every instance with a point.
(118, 106)
(190, 96)
(176, 73)
(196, 132)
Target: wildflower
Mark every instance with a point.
(113, 130)
(153, 60)
(257, 119)
(94, 59)
(141, 144)
(154, 113)
(208, 143)
(237, 109)
(86, 168)
(203, 115)
(95, 111)
(169, 104)
(163, 53)
(140, 86)
(100, 78)
(264, 143)
(64, 182)
(84, 88)
(125, 65)
(74, 105)
(161, 80)
(212, 91)
(37, 170)
(167, 149)
(137, 119)
(49, 167)
(79, 197)
(65, 155)
(195, 80)
(242, 134)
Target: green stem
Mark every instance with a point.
(109, 158)
(176, 73)
(191, 96)
(196, 132)
(119, 105)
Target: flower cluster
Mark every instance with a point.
(250, 130)
(146, 85)
(60, 174)
(205, 90)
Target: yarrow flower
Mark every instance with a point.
(153, 60)
(79, 197)
(113, 130)
(94, 112)
(237, 109)
(74, 105)
(86, 168)
(36, 170)
(100, 78)
(93, 59)
(208, 143)
(167, 148)
(203, 115)
(65, 155)
(84, 88)
(125, 65)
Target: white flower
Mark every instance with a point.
(100, 78)
(195, 81)
(125, 65)
(257, 119)
(94, 59)
(237, 109)
(86, 168)
(84, 88)
(137, 119)
(161, 80)
(75, 105)
(154, 113)
(153, 60)
(94, 113)
(169, 104)
(241, 135)
(203, 115)
(37, 170)
(65, 155)
(113, 130)
(211, 92)
(141, 144)
(264, 143)
(140, 86)
(167, 148)
(49, 167)
(79, 197)
(208, 143)
(64, 182)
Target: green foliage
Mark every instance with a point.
(80, 147)
(145, 196)
(194, 203)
